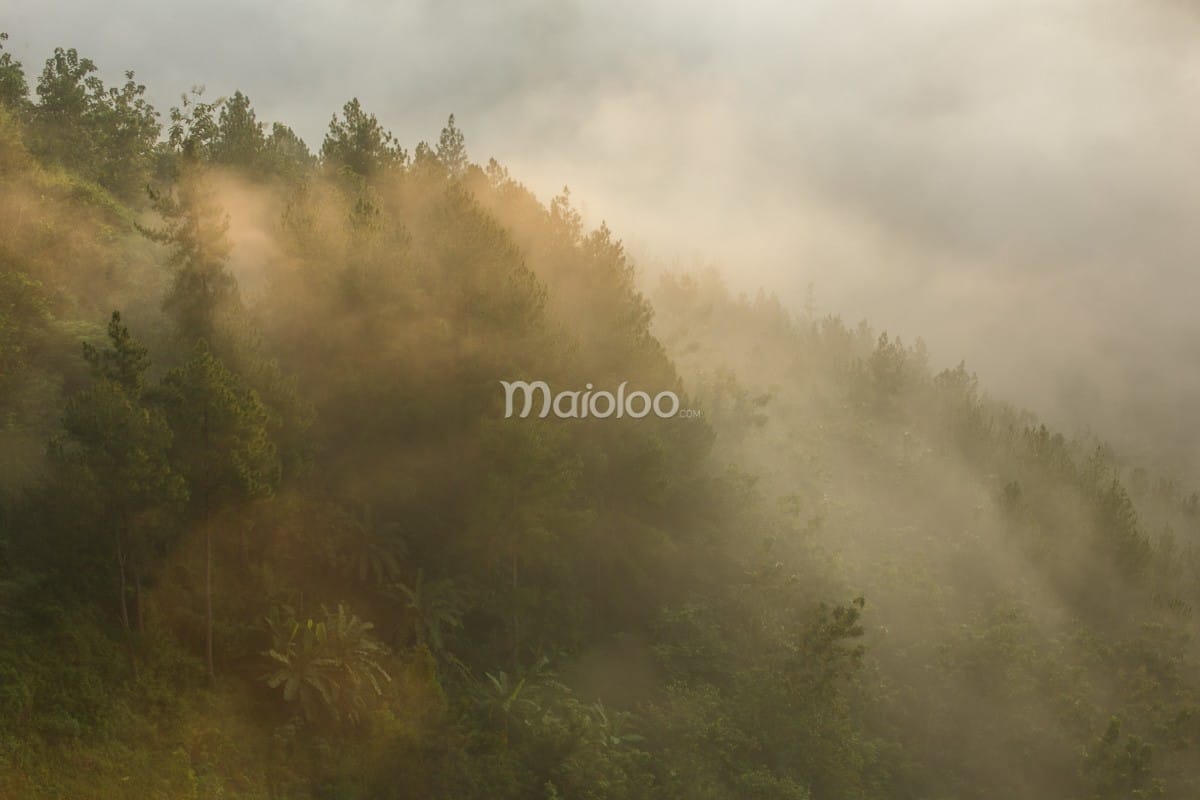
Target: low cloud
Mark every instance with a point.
(1017, 182)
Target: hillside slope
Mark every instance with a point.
(266, 532)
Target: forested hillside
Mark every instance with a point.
(265, 531)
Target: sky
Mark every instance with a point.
(1015, 181)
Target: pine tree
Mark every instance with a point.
(196, 232)
(119, 444)
(452, 149)
(285, 154)
(239, 138)
(222, 447)
(359, 144)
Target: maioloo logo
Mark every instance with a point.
(580, 405)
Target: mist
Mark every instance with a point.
(1014, 182)
(920, 274)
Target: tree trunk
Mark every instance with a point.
(516, 620)
(137, 599)
(208, 612)
(125, 612)
(121, 571)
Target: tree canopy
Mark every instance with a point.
(265, 530)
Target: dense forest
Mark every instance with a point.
(265, 531)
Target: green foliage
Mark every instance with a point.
(196, 230)
(452, 149)
(14, 91)
(285, 154)
(358, 144)
(330, 666)
(193, 126)
(1010, 567)
(69, 94)
(123, 363)
(117, 449)
(601, 609)
(221, 444)
(239, 139)
(105, 134)
(1120, 772)
(128, 132)
(437, 606)
(23, 318)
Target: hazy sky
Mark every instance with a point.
(1018, 181)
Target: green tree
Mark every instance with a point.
(221, 447)
(195, 230)
(194, 127)
(121, 444)
(24, 317)
(359, 144)
(69, 94)
(14, 90)
(425, 157)
(126, 132)
(452, 149)
(104, 134)
(1118, 772)
(332, 666)
(437, 605)
(239, 139)
(285, 154)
